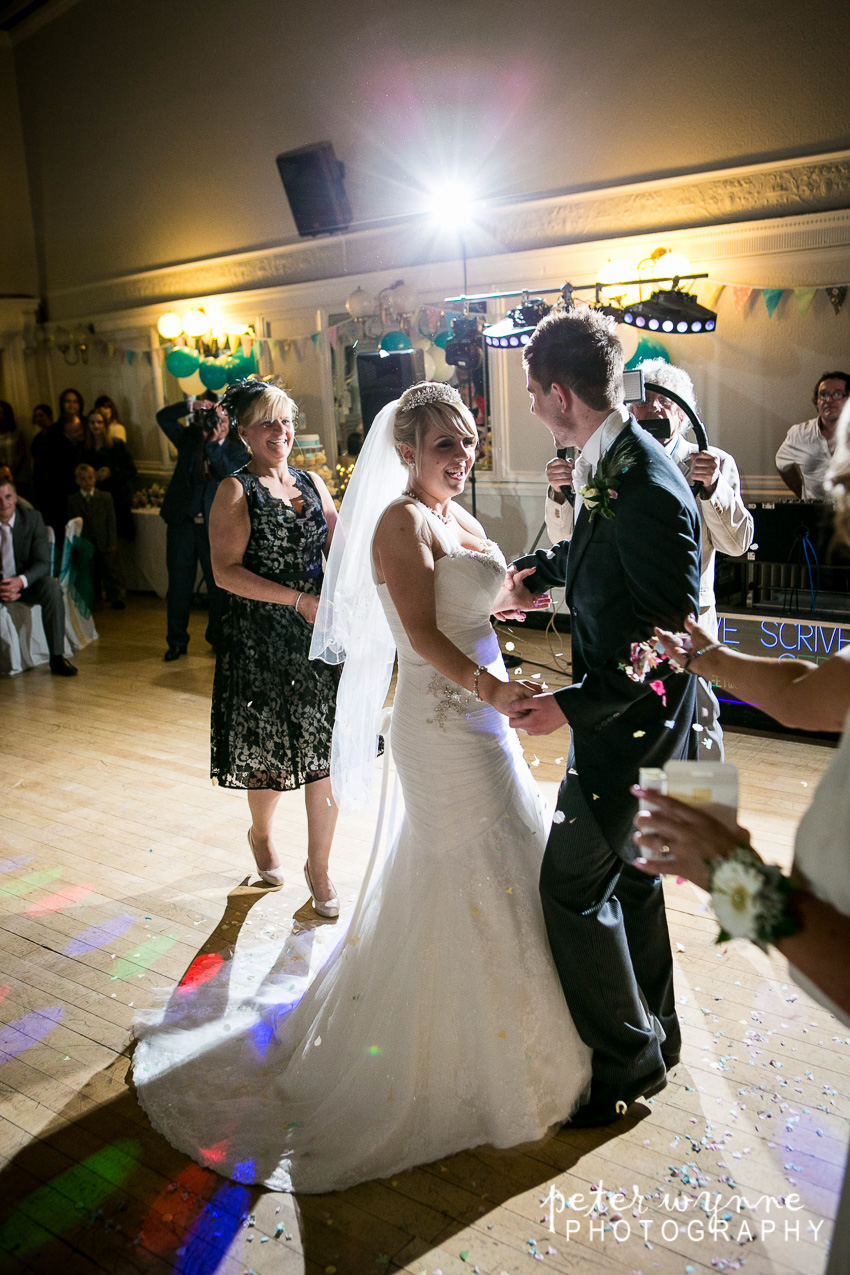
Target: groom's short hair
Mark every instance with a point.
(579, 349)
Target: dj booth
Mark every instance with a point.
(793, 568)
(788, 597)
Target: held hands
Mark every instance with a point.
(538, 715)
(503, 696)
(102, 474)
(705, 469)
(681, 839)
(11, 589)
(514, 599)
(559, 473)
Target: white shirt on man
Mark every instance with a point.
(806, 447)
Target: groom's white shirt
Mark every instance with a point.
(603, 437)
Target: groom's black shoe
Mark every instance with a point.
(610, 1101)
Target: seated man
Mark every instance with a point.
(804, 457)
(25, 568)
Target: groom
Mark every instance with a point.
(633, 563)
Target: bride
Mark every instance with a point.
(439, 1023)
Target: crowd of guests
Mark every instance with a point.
(77, 466)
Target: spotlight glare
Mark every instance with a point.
(640, 321)
(667, 325)
(696, 326)
(451, 204)
(654, 324)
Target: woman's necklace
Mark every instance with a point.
(420, 501)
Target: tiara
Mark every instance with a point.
(429, 392)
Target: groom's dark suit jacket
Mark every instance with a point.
(623, 576)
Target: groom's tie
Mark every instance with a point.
(582, 474)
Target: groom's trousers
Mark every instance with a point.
(608, 932)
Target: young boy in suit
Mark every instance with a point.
(97, 511)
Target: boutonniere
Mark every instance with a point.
(604, 488)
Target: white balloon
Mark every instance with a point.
(442, 370)
(430, 367)
(191, 384)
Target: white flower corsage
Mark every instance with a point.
(751, 899)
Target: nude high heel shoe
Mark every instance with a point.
(271, 876)
(324, 907)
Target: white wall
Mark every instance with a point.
(18, 272)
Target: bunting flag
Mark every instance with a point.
(804, 298)
(837, 297)
(316, 338)
(709, 293)
(772, 297)
(130, 355)
(741, 296)
(333, 337)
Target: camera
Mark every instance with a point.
(465, 347)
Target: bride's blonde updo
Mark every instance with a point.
(426, 404)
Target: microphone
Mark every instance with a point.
(567, 492)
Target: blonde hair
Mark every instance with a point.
(838, 478)
(266, 406)
(413, 419)
(84, 469)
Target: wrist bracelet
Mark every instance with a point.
(475, 676)
(695, 655)
(752, 900)
(297, 600)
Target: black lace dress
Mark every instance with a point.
(272, 707)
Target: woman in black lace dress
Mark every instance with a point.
(272, 707)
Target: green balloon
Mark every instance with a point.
(182, 363)
(648, 347)
(394, 340)
(233, 369)
(442, 339)
(213, 374)
(248, 364)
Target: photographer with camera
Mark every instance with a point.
(205, 455)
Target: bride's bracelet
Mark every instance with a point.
(475, 676)
(297, 600)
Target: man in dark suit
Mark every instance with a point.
(25, 571)
(633, 563)
(205, 455)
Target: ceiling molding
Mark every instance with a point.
(759, 210)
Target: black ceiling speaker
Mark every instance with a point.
(312, 177)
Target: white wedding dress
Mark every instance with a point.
(440, 1024)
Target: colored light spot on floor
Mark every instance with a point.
(99, 935)
(176, 1209)
(12, 865)
(244, 1171)
(211, 1236)
(61, 1205)
(202, 969)
(4, 992)
(375, 1049)
(62, 899)
(17, 1037)
(215, 1154)
(26, 885)
(262, 1034)
(143, 957)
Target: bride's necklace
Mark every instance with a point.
(420, 501)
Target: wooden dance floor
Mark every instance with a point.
(121, 863)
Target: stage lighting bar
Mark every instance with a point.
(672, 311)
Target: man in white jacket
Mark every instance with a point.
(727, 524)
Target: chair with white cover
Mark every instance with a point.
(22, 640)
